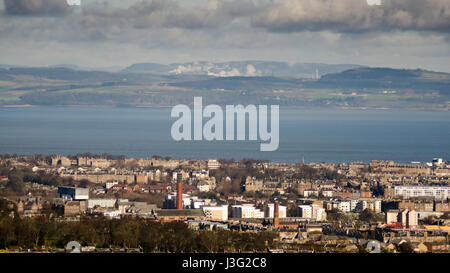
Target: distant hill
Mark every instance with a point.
(240, 68)
(389, 78)
(55, 73)
(358, 87)
(68, 75)
(147, 68)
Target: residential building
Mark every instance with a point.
(436, 192)
(252, 184)
(246, 211)
(213, 164)
(313, 212)
(402, 218)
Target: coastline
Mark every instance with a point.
(170, 106)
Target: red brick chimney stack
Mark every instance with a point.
(276, 215)
(179, 191)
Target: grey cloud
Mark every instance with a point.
(36, 7)
(341, 31)
(340, 16)
(104, 21)
(353, 15)
(168, 13)
(228, 24)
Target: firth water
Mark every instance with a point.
(317, 135)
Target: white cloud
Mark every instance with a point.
(374, 2)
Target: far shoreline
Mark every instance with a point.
(28, 106)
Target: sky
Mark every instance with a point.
(117, 33)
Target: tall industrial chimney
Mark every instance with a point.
(276, 214)
(180, 191)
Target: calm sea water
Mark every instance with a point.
(318, 135)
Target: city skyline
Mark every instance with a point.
(217, 132)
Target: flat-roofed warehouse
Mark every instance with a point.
(167, 215)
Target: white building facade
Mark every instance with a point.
(246, 211)
(269, 212)
(436, 192)
(216, 212)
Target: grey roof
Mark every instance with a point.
(184, 212)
